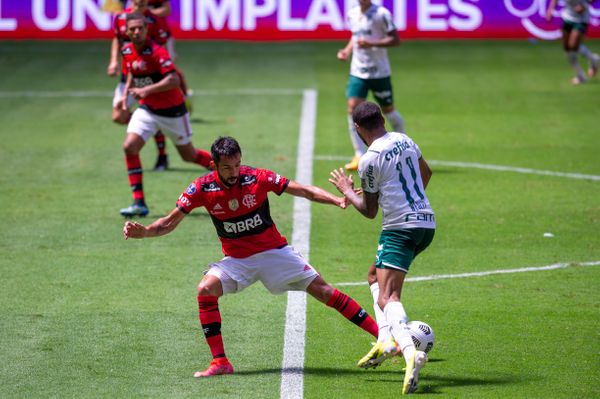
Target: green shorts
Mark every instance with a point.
(381, 88)
(398, 248)
(568, 26)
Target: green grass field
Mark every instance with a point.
(87, 314)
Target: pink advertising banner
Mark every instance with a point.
(269, 20)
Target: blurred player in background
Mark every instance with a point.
(393, 176)
(575, 16)
(236, 197)
(158, 31)
(372, 31)
(153, 81)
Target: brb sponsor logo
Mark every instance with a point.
(243, 225)
(532, 14)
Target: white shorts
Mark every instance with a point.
(145, 124)
(119, 93)
(279, 270)
(170, 46)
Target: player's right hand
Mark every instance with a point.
(133, 230)
(113, 69)
(342, 55)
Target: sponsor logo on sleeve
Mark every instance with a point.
(191, 189)
(185, 201)
(370, 178)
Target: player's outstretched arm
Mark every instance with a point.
(425, 171)
(160, 227)
(315, 194)
(366, 203)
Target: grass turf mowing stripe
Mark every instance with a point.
(488, 273)
(475, 165)
(292, 381)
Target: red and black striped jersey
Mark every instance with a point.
(149, 66)
(240, 213)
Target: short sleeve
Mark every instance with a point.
(164, 61)
(272, 181)
(191, 198)
(368, 173)
(387, 20)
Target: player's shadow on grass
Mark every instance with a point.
(202, 121)
(438, 384)
(320, 371)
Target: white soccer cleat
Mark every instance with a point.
(413, 367)
(578, 80)
(378, 354)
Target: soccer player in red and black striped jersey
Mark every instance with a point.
(158, 32)
(236, 197)
(153, 81)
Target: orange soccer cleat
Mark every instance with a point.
(218, 366)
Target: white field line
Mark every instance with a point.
(488, 273)
(98, 93)
(292, 373)
(474, 165)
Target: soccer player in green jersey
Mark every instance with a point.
(372, 32)
(393, 176)
(576, 16)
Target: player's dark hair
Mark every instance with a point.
(224, 146)
(368, 116)
(135, 15)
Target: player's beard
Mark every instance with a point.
(230, 182)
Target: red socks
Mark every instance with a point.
(203, 158)
(210, 319)
(135, 174)
(352, 311)
(161, 144)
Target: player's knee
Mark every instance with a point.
(129, 148)
(209, 288)
(203, 289)
(371, 279)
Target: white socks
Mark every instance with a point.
(395, 119)
(384, 327)
(396, 317)
(572, 57)
(359, 147)
(583, 50)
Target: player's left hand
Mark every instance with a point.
(341, 181)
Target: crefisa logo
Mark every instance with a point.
(532, 14)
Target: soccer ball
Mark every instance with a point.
(422, 335)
